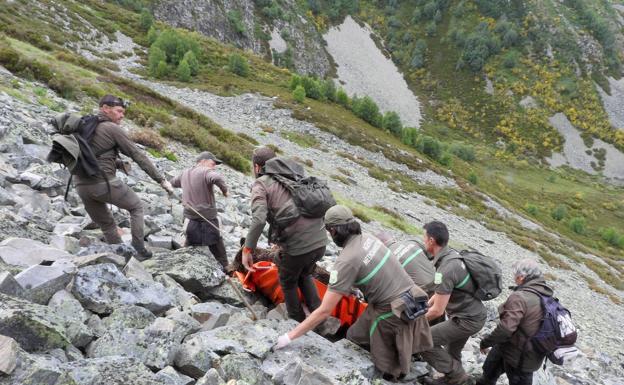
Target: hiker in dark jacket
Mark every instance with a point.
(108, 141)
(197, 185)
(520, 318)
(301, 244)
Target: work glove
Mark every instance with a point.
(167, 186)
(282, 341)
(248, 258)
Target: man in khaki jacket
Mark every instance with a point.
(108, 141)
(520, 317)
(384, 328)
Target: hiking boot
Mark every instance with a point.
(462, 379)
(143, 254)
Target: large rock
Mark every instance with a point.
(121, 249)
(68, 306)
(115, 370)
(32, 369)
(41, 282)
(102, 288)
(8, 354)
(298, 372)
(37, 327)
(134, 269)
(94, 259)
(194, 268)
(9, 286)
(26, 252)
(244, 367)
(211, 377)
(126, 317)
(170, 376)
(211, 314)
(182, 299)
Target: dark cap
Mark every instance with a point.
(207, 155)
(338, 215)
(262, 154)
(113, 101)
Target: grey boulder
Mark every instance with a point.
(244, 367)
(9, 286)
(41, 282)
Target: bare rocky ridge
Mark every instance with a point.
(84, 346)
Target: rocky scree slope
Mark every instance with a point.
(73, 307)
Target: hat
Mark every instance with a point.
(113, 101)
(338, 215)
(207, 155)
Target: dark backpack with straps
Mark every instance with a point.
(311, 196)
(557, 334)
(484, 272)
(71, 145)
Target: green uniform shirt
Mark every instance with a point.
(414, 260)
(367, 264)
(451, 273)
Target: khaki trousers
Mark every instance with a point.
(449, 338)
(96, 196)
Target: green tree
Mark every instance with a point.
(473, 178)
(559, 212)
(464, 152)
(238, 65)
(234, 17)
(611, 236)
(184, 71)
(392, 122)
(409, 136)
(299, 94)
(295, 80)
(176, 44)
(193, 63)
(312, 87)
(578, 225)
(162, 70)
(429, 146)
(146, 19)
(342, 98)
(156, 55)
(152, 35)
(366, 109)
(328, 89)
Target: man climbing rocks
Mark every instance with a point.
(393, 326)
(198, 198)
(454, 291)
(95, 192)
(301, 244)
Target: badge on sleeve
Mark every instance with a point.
(437, 278)
(333, 277)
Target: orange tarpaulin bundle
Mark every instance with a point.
(266, 281)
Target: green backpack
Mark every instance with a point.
(484, 272)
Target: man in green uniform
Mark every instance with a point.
(466, 315)
(385, 327)
(414, 259)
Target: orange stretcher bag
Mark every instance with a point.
(266, 281)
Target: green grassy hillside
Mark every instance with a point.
(462, 121)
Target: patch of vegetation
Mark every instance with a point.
(302, 139)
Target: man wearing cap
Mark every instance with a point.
(393, 326)
(198, 198)
(95, 192)
(301, 244)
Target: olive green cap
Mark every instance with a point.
(338, 215)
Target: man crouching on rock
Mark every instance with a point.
(393, 326)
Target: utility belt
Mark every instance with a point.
(411, 304)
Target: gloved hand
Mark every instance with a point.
(248, 258)
(167, 186)
(282, 341)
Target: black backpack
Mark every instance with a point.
(311, 196)
(71, 146)
(484, 272)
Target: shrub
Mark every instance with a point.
(431, 28)
(392, 122)
(176, 44)
(510, 60)
(418, 56)
(409, 136)
(578, 225)
(184, 71)
(611, 236)
(328, 89)
(9, 58)
(367, 110)
(531, 208)
(238, 65)
(148, 138)
(235, 20)
(299, 94)
(559, 212)
(464, 152)
(312, 87)
(162, 70)
(472, 178)
(295, 80)
(146, 20)
(152, 35)
(446, 159)
(192, 62)
(342, 98)
(63, 86)
(429, 146)
(156, 55)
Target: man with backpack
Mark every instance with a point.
(454, 294)
(108, 140)
(200, 209)
(393, 326)
(301, 240)
(521, 316)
